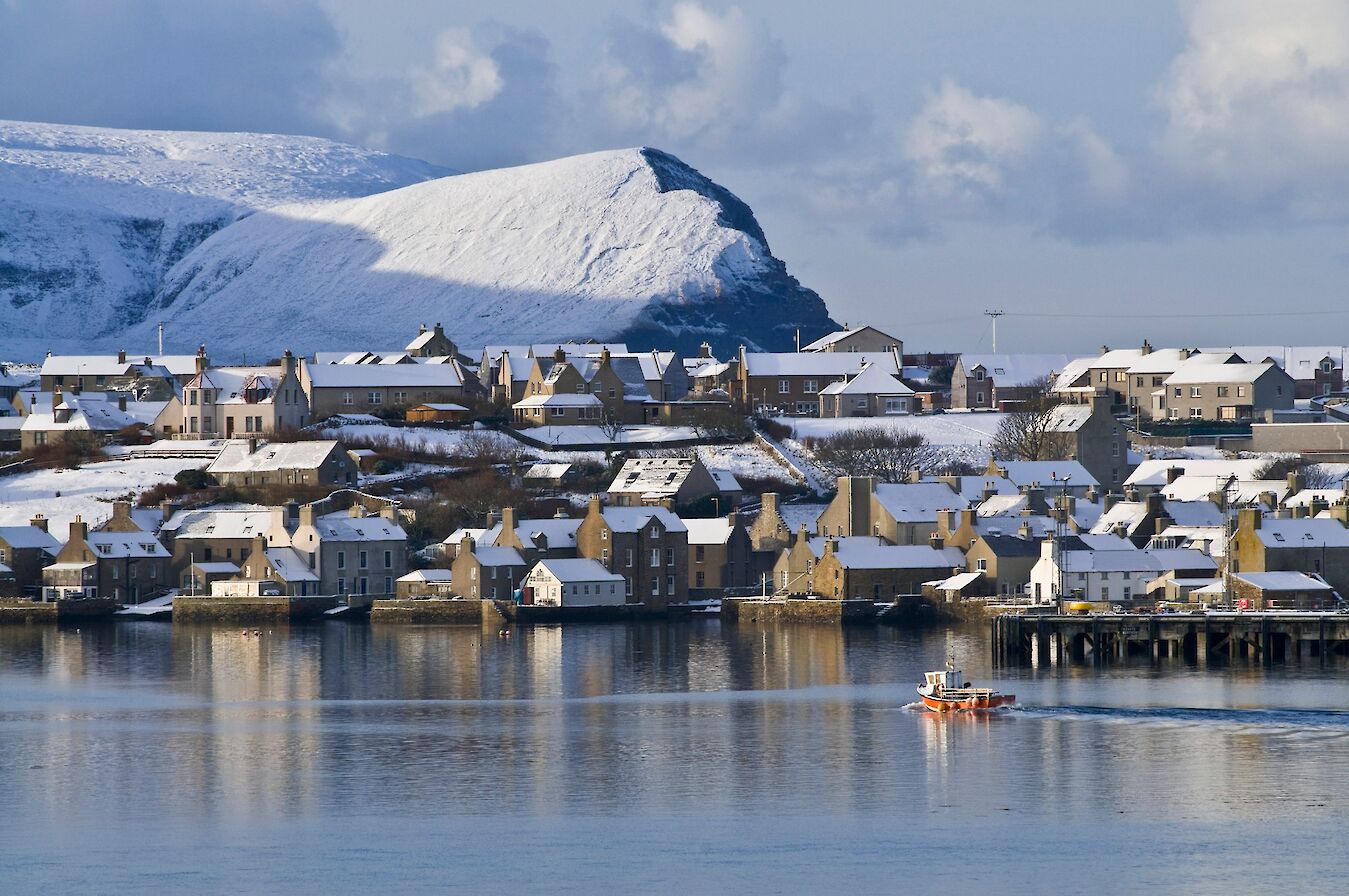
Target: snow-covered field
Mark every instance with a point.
(635, 436)
(975, 429)
(426, 439)
(88, 491)
(743, 461)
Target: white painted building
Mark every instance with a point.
(575, 583)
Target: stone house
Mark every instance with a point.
(1004, 562)
(129, 567)
(551, 538)
(866, 339)
(668, 481)
(871, 392)
(250, 462)
(1282, 591)
(648, 546)
(424, 583)
(432, 343)
(870, 569)
(231, 402)
(206, 535)
(334, 389)
(486, 573)
(283, 566)
(1264, 543)
(792, 381)
(1224, 392)
(720, 556)
(1002, 381)
(1090, 435)
(93, 414)
(899, 513)
(26, 551)
(99, 373)
(353, 550)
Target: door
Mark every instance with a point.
(229, 427)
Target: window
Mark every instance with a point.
(655, 531)
(784, 387)
(1128, 592)
(1196, 413)
(1138, 382)
(341, 586)
(1157, 381)
(1114, 448)
(192, 396)
(655, 584)
(347, 399)
(979, 375)
(388, 584)
(400, 397)
(604, 556)
(669, 556)
(698, 579)
(669, 584)
(896, 405)
(611, 391)
(1105, 592)
(604, 535)
(375, 397)
(655, 556)
(1222, 391)
(1121, 376)
(981, 564)
(978, 398)
(629, 557)
(1173, 413)
(341, 559)
(1241, 391)
(812, 386)
(388, 559)
(1196, 392)
(1178, 392)
(698, 554)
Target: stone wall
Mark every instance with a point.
(834, 612)
(436, 612)
(249, 609)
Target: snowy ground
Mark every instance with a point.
(940, 429)
(633, 436)
(424, 439)
(88, 491)
(743, 461)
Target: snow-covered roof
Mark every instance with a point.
(1103, 542)
(960, 581)
(914, 502)
(710, 368)
(1169, 360)
(1195, 374)
(1044, 473)
(235, 457)
(713, 531)
(208, 523)
(342, 526)
(1153, 472)
(27, 537)
(837, 336)
(1068, 417)
(1015, 369)
(547, 471)
(872, 553)
(232, 383)
(1302, 533)
(559, 530)
(477, 535)
(125, 544)
(363, 376)
(1283, 581)
(560, 400)
(490, 555)
(1155, 561)
(108, 365)
(1299, 361)
(1244, 491)
(290, 565)
(426, 575)
(84, 411)
(657, 476)
(443, 406)
(631, 519)
(217, 567)
(580, 569)
(871, 380)
(820, 364)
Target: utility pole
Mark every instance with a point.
(994, 314)
(161, 339)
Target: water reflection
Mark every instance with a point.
(653, 735)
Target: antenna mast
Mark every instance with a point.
(161, 339)
(994, 314)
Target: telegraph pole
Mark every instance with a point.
(994, 314)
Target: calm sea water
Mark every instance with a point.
(694, 758)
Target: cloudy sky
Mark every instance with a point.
(1102, 172)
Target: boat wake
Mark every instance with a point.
(1319, 720)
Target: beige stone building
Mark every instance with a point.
(250, 462)
(988, 381)
(898, 513)
(370, 388)
(1223, 392)
(648, 546)
(871, 392)
(233, 402)
(859, 339)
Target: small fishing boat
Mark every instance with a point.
(945, 692)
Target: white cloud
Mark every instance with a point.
(462, 76)
(963, 145)
(1258, 102)
(699, 75)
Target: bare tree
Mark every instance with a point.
(1030, 432)
(611, 426)
(888, 454)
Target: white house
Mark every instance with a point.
(574, 583)
(1111, 577)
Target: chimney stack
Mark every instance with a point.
(121, 401)
(203, 362)
(39, 522)
(121, 356)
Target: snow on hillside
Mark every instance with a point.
(629, 244)
(91, 219)
(88, 491)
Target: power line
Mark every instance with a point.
(1143, 314)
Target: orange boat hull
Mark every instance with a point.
(972, 704)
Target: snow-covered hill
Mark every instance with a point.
(240, 241)
(92, 219)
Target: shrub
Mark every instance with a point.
(774, 429)
(194, 480)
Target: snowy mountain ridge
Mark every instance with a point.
(256, 243)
